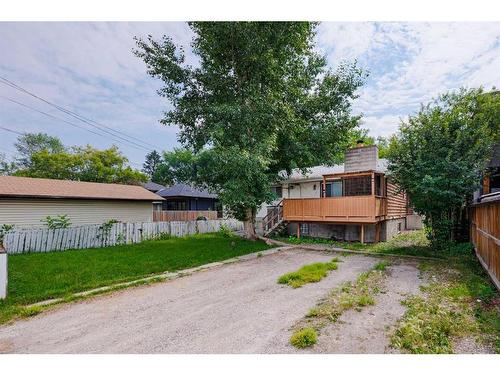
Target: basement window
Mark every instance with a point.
(304, 229)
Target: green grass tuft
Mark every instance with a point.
(310, 273)
(304, 338)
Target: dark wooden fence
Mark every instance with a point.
(183, 215)
(485, 235)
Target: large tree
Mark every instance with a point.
(179, 165)
(151, 164)
(83, 164)
(259, 100)
(438, 154)
(31, 143)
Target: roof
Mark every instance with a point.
(153, 186)
(316, 173)
(11, 186)
(184, 190)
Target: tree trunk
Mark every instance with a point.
(249, 225)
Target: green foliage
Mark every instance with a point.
(381, 266)
(31, 143)
(105, 229)
(82, 164)
(4, 229)
(151, 164)
(6, 167)
(225, 231)
(439, 153)
(304, 338)
(459, 302)
(176, 166)
(310, 273)
(261, 101)
(39, 276)
(57, 222)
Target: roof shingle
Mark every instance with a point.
(11, 186)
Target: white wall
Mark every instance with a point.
(3, 275)
(29, 212)
(299, 190)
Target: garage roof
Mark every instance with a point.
(16, 187)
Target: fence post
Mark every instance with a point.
(3, 273)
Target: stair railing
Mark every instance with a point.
(274, 217)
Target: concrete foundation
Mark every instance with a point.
(350, 232)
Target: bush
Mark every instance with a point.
(226, 231)
(201, 218)
(57, 222)
(304, 337)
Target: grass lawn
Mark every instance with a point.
(40, 276)
(408, 243)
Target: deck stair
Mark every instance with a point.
(273, 222)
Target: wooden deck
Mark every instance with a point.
(353, 209)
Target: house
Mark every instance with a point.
(355, 201)
(183, 197)
(153, 186)
(25, 201)
(490, 184)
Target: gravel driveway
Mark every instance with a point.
(235, 308)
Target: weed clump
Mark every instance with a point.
(310, 273)
(304, 338)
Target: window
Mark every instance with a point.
(379, 187)
(304, 229)
(278, 191)
(357, 186)
(333, 188)
(176, 205)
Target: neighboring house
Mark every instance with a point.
(490, 186)
(182, 197)
(354, 201)
(25, 201)
(153, 186)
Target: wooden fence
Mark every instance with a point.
(485, 235)
(89, 236)
(183, 215)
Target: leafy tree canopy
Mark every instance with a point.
(31, 143)
(82, 164)
(438, 154)
(179, 165)
(261, 100)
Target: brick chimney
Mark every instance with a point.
(361, 158)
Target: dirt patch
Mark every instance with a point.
(368, 330)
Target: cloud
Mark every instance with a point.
(90, 68)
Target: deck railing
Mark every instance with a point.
(353, 209)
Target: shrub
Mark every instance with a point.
(304, 337)
(226, 231)
(57, 222)
(4, 229)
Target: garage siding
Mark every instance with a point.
(29, 212)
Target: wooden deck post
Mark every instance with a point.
(362, 236)
(298, 230)
(377, 233)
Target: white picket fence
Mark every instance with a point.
(89, 236)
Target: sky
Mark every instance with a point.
(89, 68)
